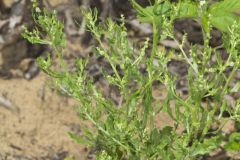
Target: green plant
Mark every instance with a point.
(234, 142)
(127, 130)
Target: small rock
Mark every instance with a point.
(8, 3)
(60, 155)
(229, 127)
(237, 75)
(24, 65)
(13, 54)
(17, 73)
(230, 100)
(170, 44)
(6, 103)
(32, 71)
(143, 28)
(55, 3)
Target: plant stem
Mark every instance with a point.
(185, 55)
(105, 132)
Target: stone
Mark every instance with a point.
(55, 3)
(9, 3)
(12, 55)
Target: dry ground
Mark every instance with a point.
(37, 126)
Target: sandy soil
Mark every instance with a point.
(36, 128)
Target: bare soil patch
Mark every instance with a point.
(36, 126)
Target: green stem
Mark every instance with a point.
(110, 62)
(156, 36)
(229, 80)
(185, 55)
(60, 56)
(105, 132)
(216, 106)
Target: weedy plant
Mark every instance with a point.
(128, 130)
